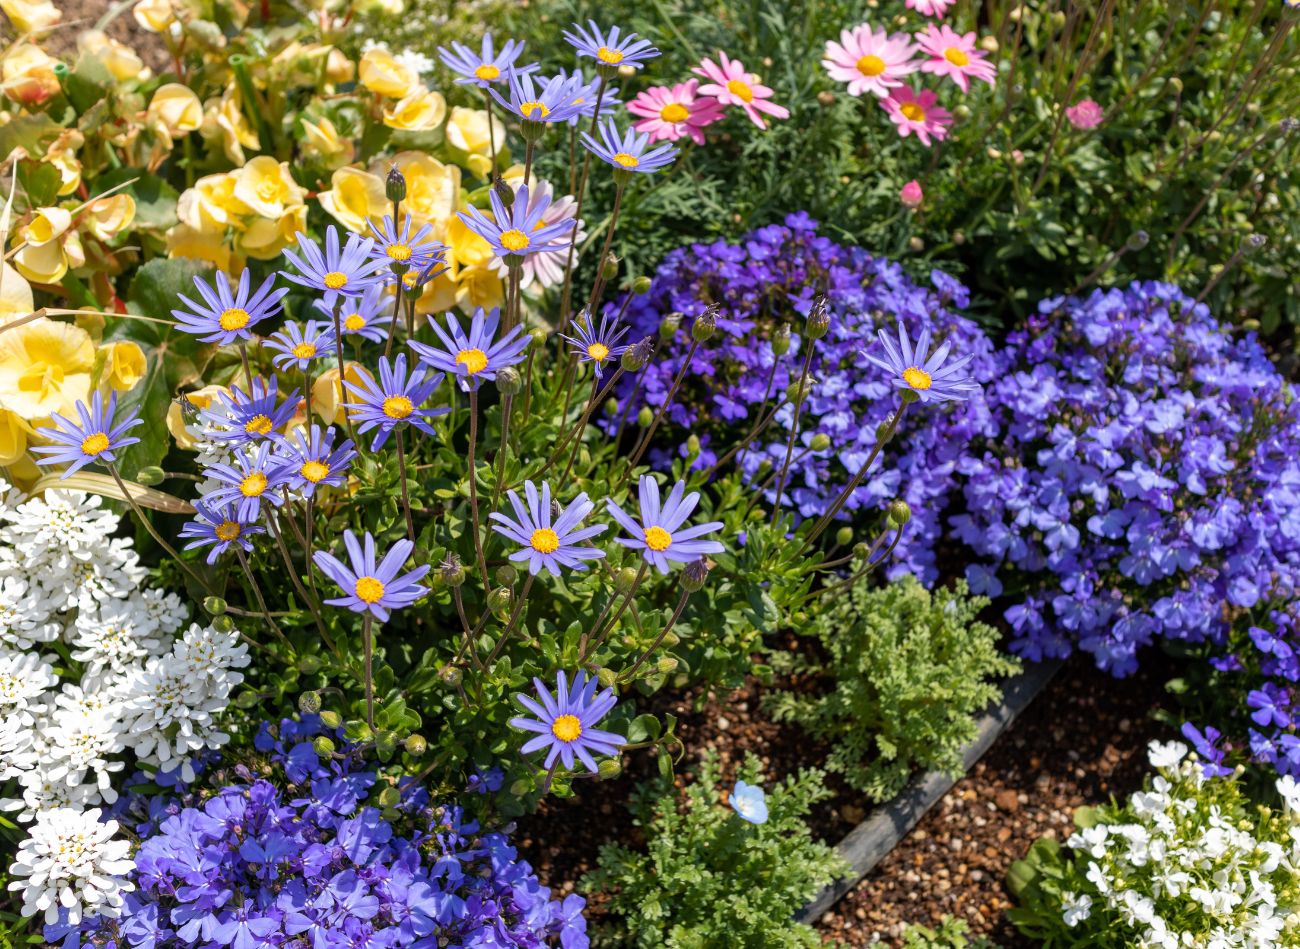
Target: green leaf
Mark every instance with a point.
(643, 728)
(40, 181)
(88, 83)
(28, 132)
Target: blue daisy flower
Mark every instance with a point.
(586, 95)
(226, 316)
(611, 50)
(393, 399)
(930, 378)
(549, 542)
(244, 417)
(541, 103)
(373, 587)
(518, 230)
(597, 345)
(254, 475)
(486, 66)
(220, 526)
(311, 460)
(659, 534)
(475, 357)
(565, 722)
(298, 346)
(626, 151)
(336, 270)
(98, 437)
(367, 316)
(398, 250)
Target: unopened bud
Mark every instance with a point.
(451, 675)
(508, 380)
(637, 355)
(959, 237)
(819, 320)
(309, 703)
(898, 512)
(507, 575)
(610, 270)
(826, 97)
(624, 579)
(452, 571)
(150, 475)
(916, 244)
(499, 601)
(820, 442)
(989, 43)
(844, 536)
(415, 745)
(518, 788)
(668, 326)
(705, 324)
(961, 111)
(309, 665)
(215, 605)
(642, 285)
(1137, 240)
(693, 446)
(606, 677)
(781, 340)
(694, 575)
(390, 797)
(797, 391)
(1176, 85)
(247, 699)
(331, 720)
(395, 186)
(861, 551)
(504, 192)
(666, 664)
(323, 746)
(609, 768)
(645, 416)
(223, 623)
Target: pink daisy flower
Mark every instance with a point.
(955, 56)
(869, 60)
(916, 112)
(668, 114)
(1085, 114)
(930, 7)
(731, 85)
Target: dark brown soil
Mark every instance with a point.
(80, 15)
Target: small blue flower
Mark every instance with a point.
(224, 317)
(400, 250)
(749, 802)
(97, 438)
(336, 271)
(486, 66)
(255, 475)
(658, 534)
(373, 587)
(392, 400)
(930, 377)
(311, 460)
(546, 543)
(220, 526)
(518, 230)
(596, 345)
(244, 417)
(297, 346)
(610, 49)
(626, 151)
(475, 357)
(587, 95)
(542, 103)
(367, 315)
(565, 722)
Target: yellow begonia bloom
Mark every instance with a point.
(120, 60)
(27, 75)
(338, 68)
(31, 16)
(45, 367)
(42, 263)
(106, 218)
(62, 154)
(322, 139)
(464, 246)
(479, 287)
(209, 245)
(467, 130)
(15, 294)
(124, 364)
(177, 108)
(48, 224)
(327, 394)
(211, 204)
(265, 239)
(432, 188)
(199, 399)
(354, 196)
(224, 118)
(380, 72)
(267, 188)
(13, 437)
(156, 16)
(421, 111)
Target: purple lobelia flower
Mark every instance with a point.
(224, 317)
(393, 400)
(218, 526)
(549, 541)
(477, 356)
(370, 585)
(565, 722)
(930, 377)
(659, 534)
(97, 437)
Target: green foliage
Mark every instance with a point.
(953, 933)
(910, 670)
(708, 879)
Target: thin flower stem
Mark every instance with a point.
(550, 776)
(644, 443)
(599, 640)
(528, 384)
(566, 295)
(510, 626)
(338, 353)
(492, 135)
(397, 295)
(406, 497)
(503, 449)
(261, 602)
(473, 491)
(368, 649)
(870, 565)
(153, 532)
(306, 394)
(794, 429)
(681, 605)
(248, 368)
(466, 640)
(598, 285)
(744, 445)
(759, 427)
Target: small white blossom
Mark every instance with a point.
(71, 861)
(1166, 754)
(24, 676)
(1076, 908)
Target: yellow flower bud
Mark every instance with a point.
(31, 16)
(105, 218)
(176, 108)
(338, 68)
(381, 72)
(156, 16)
(421, 111)
(124, 365)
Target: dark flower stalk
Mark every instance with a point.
(514, 618)
(818, 324)
(599, 640)
(473, 492)
(261, 601)
(677, 612)
(153, 531)
(598, 285)
(406, 497)
(338, 355)
(741, 446)
(566, 294)
(368, 649)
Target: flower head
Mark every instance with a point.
(514, 231)
(916, 112)
(596, 345)
(626, 151)
(557, 99)
(1085, 114)
(255, 475)
(870, 60)
(565, 721)
(954, 55)
(749, 801)
(244, 417)
(659, 534)
(546, 270)
(298, 346)
(549, 541)
(731, 85)
(915, 370)
(668, 113)
(610, 50)
(220, 526)
(71, 861)
(97, 437)
(373, 587)
(223, 316)
(475, 357)
(336, 271)
(311, 460)
(399, 250)
(911, 195)
(588, 97)
(488, 65)
(393, 400)
(367, 316)
(935, 8)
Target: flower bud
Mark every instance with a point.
(323, 746)
(452, 571)
(645, 416)
(624, 579)
(150, 475)
(820, 442)
(861, 551)
(781, 340)
(507, 575)
(223, 623)
(898, 512)
(504, 192)
(666, 664)
(637, 355)
(508, 380)
(641, 285)
(499, 600)
(215, 605)
(844, 536)
(705, 324)
(694, 575)
(911, 195)
(451, 675)
(826, 98)
(606, 677)
(796, 392)
(1137, 240)
(395, 185)
(390, 797)
(959, 238)
(916, 244)
(1175, 85)
(518, 788)
(331, 720)
(609, 768)
(668, 326)
(247, 699)
(693, 446)
(309, 703)
(309, 665)
(415, 745)
(610, 270)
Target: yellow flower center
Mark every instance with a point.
(354, 323)
(399, 252)
(871, 65)
(674, 112)
(528, 108)
(956, 56)
(912, 112)
(410, 278)
(314, 471)
(335, 280)
(369, 589)
(598, 351)
(657, 539)
(253, 485)
(515, 240)
(611, 56)
(567, 728)
(474, 360)
(267, 189)
(487, 72)
(94, 444)
(741, 90)
(545, 541)
(916, 378)
(233, 319)
(626, 160)
(304, 350)
(227, 531)
(398, 406)
(258, 425)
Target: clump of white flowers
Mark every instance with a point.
(1189, 861)
(95, 671)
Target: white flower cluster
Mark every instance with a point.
(93, 668)
(1194, 864)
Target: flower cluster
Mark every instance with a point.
(1146, 462)
(313, 863)
(685, 109)
(763, 286)
(133, 684)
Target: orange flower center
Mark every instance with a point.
(398, 406)
(227, 531)
(871, 65)
(369, 589)
(314, 471)
(487, 72)
(741, 90)
(233, 319)
(956, 56)
(354, 323)
(253, 485)
(611, 56)
(515, 240)
(912, 112)
(545, 541)
(528, 108)
(258, 425)
(474, 360)
(399, 252)
(598, 351)
(335, 280)
(304, 350)
(94, 444)
(626, 160)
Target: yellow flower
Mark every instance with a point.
(42, 263)
(31, 16)
(380, 72)
(49, 224)
(209, 245)
(267, 188)
(45, 367)
(467, 130)
(176, 108)
(421, 111)
(338, 68)
(322, 138)
(15, 294)
(105, 218)
(120, 60)
(27, 75)
(223, 118)
(124, 364)
(199, 399)
(62, 154)
(355, 195)
(156, 16)
(479, 287)
(13, 437)
(264, 238)
(211, 204)
(464, 246)
(432, 188)
(327, 394)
